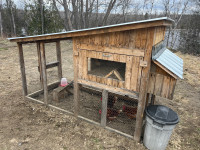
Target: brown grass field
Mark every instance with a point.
(26, 125)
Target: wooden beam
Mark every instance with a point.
(52, 64)
(76, 85)
(119, 91)
(86, 32)
(39, 64)
(115, 50)
(22, 68)
(58, 54)
(44, 73)
(50, 86)
(144, 84)
(104, 108)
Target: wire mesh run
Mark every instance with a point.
(121, 113)
(121, 110)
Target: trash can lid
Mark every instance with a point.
(162, 114)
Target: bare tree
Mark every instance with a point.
(41, 3)
(75, 14)
(110, 7)
(176, 8)
(9, 4)
(174, 37)
(67, 15)
(125, 6)
(58, 12)
(1, 20)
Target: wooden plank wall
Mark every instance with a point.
(161, 85)
(126, 47)
(160, 35)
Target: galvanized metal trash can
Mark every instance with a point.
(160, 122)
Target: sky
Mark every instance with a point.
(158, 6)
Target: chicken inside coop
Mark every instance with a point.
(117, 106)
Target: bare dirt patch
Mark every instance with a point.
(27, 125)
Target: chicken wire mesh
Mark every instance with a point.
(121, 113)
(121, 110)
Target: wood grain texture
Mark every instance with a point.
(76, 72)
(111, 89)
(104, 108)
(39, 64)
(44, 73)
(144, 84)
(165, 87)
(129, 62)
(161, 85)
(59, 59)
(160, 33)
(112, 49)
(135, 73)
(22, 68)
(158, 84)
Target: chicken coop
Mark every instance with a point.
(123, 67)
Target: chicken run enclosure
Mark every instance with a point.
(118, 71)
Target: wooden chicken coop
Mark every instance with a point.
(128, 59)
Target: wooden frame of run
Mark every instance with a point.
(51, 86)
(130, 43)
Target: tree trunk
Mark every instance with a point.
(97, 13)
(1, 20)
(86, 15)
(55, 6)
(81, 14)
(67, 16)
(110, 7)
(42, 15)
(13, 21)
(75, 14)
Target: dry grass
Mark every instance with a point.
(26, 125)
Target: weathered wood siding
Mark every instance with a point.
(161, 83)
(160, 35)
(127, 47)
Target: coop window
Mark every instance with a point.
(105, 68)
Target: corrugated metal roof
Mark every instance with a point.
(170, 61)
(95, 28)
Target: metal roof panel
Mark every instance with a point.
(170, 61)
(95, 28)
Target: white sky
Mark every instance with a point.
(158, 6)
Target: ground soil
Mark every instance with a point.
(28, 125)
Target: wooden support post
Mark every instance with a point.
(153, 97)
(58, 52)
(144, 84)
(44, 73)
(76, 85)
(104, 108)
(39, 63)
(147, 99)
(22, 68)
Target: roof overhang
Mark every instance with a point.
(164, 21)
